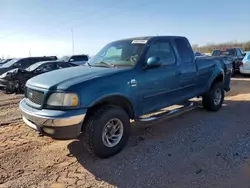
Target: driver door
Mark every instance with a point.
(157, 87)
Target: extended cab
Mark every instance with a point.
(125, 81)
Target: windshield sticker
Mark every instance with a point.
(139, 41)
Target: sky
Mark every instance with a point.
(45, 27)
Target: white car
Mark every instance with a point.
(245, 67)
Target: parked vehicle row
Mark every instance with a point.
(127, 79)
(14, 80)
(236, 54)
(15, 72)
(23, 62)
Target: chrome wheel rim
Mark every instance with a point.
(217, 97)
(112, 132)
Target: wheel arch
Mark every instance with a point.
(115, 100)
(219, 77)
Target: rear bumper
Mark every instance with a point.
(53, 123)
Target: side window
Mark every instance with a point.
(18, 64)
(239, 52)
(62, 65)
(25, 63)
(184, 49)
(33, 60)
(163, 50)
(74, 58)
(45, 68)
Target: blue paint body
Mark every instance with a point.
(147, 89)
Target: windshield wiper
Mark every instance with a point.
(101, 63)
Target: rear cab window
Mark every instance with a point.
(226, 52)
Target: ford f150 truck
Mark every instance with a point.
(125, 81)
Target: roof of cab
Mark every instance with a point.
(151, 37)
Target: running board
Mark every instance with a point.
(169, 113)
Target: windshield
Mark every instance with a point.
(33, 67)
(119, 53)
(9, 63)
(64, 58)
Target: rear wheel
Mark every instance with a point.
(214, 98)
(106, 131)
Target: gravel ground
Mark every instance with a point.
(195, 149)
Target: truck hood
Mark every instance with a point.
(64, 78)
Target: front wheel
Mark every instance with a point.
(214, 98)
(106, 131)
(21, 87)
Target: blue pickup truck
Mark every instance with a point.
(126, 80)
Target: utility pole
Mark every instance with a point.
(72, 35)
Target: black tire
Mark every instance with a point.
(209, 99)
(93, 129)
(8, 91)
(21, 87)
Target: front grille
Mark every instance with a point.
(36, 97)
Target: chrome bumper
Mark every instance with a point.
(53, 123)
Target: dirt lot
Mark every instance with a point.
(196, 149)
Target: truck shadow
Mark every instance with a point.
(158, 148)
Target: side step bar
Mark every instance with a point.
(168, 113)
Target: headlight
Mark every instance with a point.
(63, 99)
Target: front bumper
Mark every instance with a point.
(57, 124)
(7, 84)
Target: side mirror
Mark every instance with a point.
(153, 62)
(244, 54)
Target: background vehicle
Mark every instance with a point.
(127, 79)
(236, 54)
(245, 67)
(4, 61)
(198, 54)
(23, 62)
(15, 79)
(76, 59)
